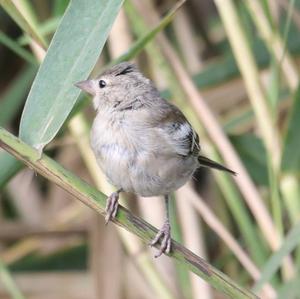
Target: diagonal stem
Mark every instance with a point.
(54, 172)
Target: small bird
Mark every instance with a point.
(143, 143)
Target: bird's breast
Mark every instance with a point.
(137, 160)
(115, 148)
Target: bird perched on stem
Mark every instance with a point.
(143, 143)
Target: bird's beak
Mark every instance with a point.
(86, 86)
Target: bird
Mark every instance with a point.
(143, 143)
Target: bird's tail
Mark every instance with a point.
(211, 164)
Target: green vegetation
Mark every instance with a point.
(239, 63)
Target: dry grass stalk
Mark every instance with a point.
(274, 43)
(54, 285)
(12, 230)
(26, 197)
(31, 244)
(187, 42)
(295, 14)
(212, 221)
(250, 74)
(257, 96)
(193, 239)
(107, 273)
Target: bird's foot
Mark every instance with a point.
(111, 206)
(165, 235)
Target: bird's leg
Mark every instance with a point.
(164, 234)
(111, 208)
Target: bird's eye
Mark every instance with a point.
(102, 83)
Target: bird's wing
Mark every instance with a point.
(177, 132)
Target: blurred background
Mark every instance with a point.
(232, 67)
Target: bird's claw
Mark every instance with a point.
(165, 235)
(111, 206)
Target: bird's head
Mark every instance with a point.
(115, 86)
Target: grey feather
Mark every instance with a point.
(143, 143)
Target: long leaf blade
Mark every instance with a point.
(290, 242)
(72, 54)
(291, 154)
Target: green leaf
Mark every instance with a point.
(59, 6)
(290, 289)
(8, 282)
(18, 17)
(16, 48)
(14, 96)
(72, 54)
(291, 153)
(273, 264)
(253, 155)
(9, 167)
(10, 105)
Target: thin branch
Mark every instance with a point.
(88, 195)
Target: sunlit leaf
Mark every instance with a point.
(71, 56)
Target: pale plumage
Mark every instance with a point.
(141, 154)
(143, 143)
